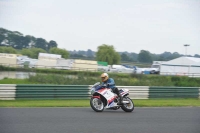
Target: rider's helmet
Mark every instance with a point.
(104, 77)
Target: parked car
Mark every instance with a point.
(138, 70)
(120, 69)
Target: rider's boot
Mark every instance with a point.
(120, 100)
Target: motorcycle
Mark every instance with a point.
(103, 97)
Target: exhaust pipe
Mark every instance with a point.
(125, 102)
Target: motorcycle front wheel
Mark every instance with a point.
(127, 107)
(96, 104)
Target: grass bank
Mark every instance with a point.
(69, 77)
(15, 81)
(86, 103)
(120, 80)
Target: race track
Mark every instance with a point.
(85, 120)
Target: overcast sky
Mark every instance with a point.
(128, 25)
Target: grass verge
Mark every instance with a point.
(15, 81)
(86, 103)
(69, 77)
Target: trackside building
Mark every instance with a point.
(8, 59)
(188, 66)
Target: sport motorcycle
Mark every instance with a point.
(103, 97)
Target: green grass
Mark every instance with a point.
(168, 103)
(120, 80)
(68, 77)
(44, 103)
(86, 103)
(15, 81)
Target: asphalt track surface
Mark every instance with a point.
(85, 120)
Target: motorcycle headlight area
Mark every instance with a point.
(92, 91)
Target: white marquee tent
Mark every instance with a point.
(189, 66)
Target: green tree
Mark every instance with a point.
(76, 56)
(14, 40)
(27, 52)
(36, 52)
(2, 37)
(25, 42)
(134, 56)
(125, 57)
(7, 50)
(32, 52)
(155, 57)
(82, 52)
(19, 42)
(41, 43)
(64, 53)
(116, 58)
(89, 53)
(52, 44)
(32, 41)
(144, 56)
(108, 54)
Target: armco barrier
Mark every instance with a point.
(7, 91)
(12, 92)
(173, 92)
(51, 91)
(135, 92)
(199, 93)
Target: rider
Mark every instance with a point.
(110, 83)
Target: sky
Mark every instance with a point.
(128, 25)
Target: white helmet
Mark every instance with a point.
(104, 77)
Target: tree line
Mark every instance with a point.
(15, 42)
(144, 56)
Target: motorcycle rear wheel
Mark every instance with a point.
(128, 107)
(96, 104)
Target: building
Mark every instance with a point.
(46, 60)
(8, 59)
(85, 65)
(64, 63)
(189, 66)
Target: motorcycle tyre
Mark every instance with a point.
(126, 109)
(92, 106)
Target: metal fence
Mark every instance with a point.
(11, 92)
(180, 74)
(51, 91)
(173, 92)
(20, 66)
(7, 91)
(49, 67)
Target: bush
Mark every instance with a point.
(68, 77)
(84, 79)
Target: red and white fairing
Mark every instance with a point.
(110, 96)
